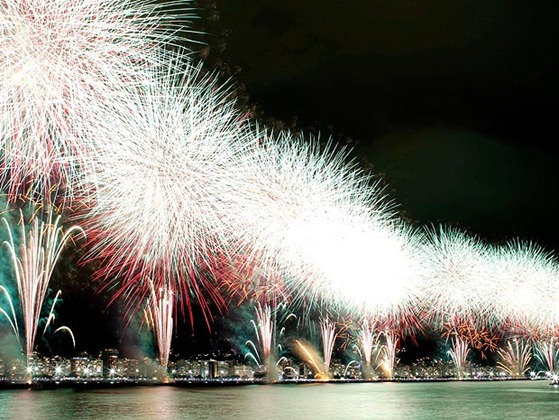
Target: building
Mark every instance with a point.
(84, 366)
(109, 358)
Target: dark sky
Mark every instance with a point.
(453, 102)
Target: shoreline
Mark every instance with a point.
(82, 385)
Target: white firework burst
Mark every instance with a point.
(458, 280)
(165, 188)
(308, 205)
(58, 59)
(524, 280)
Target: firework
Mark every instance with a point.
(328, 229)
(33, 262)
(58, 60)
(265, 335)
(328, 329)
(159, 313)
(369, 347)
(457, 285)
(515, 358)
(389, 351)
(308, 354)
(490, 286)
(524, 280)
(294, 189)
(459, 354)
(11, 317)
(165, 193)
(547, 354)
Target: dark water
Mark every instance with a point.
(442, 400)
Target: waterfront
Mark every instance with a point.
(394, 400)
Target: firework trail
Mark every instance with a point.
(308, 354)
(367, 341)
(166, 189)
(10, 317)
(159, 314)
(389, 351)
(369, 346)
(33, 262)
(264, 329)
(459, 353)
(58, 59)
(547, 354)
(51, 318)
(379, 339)
(515, 358)
(328, 329)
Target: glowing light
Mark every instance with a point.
(309, 355)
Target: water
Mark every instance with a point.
(438, 400)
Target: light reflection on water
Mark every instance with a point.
(439, 400)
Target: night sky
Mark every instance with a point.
(453, 103)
